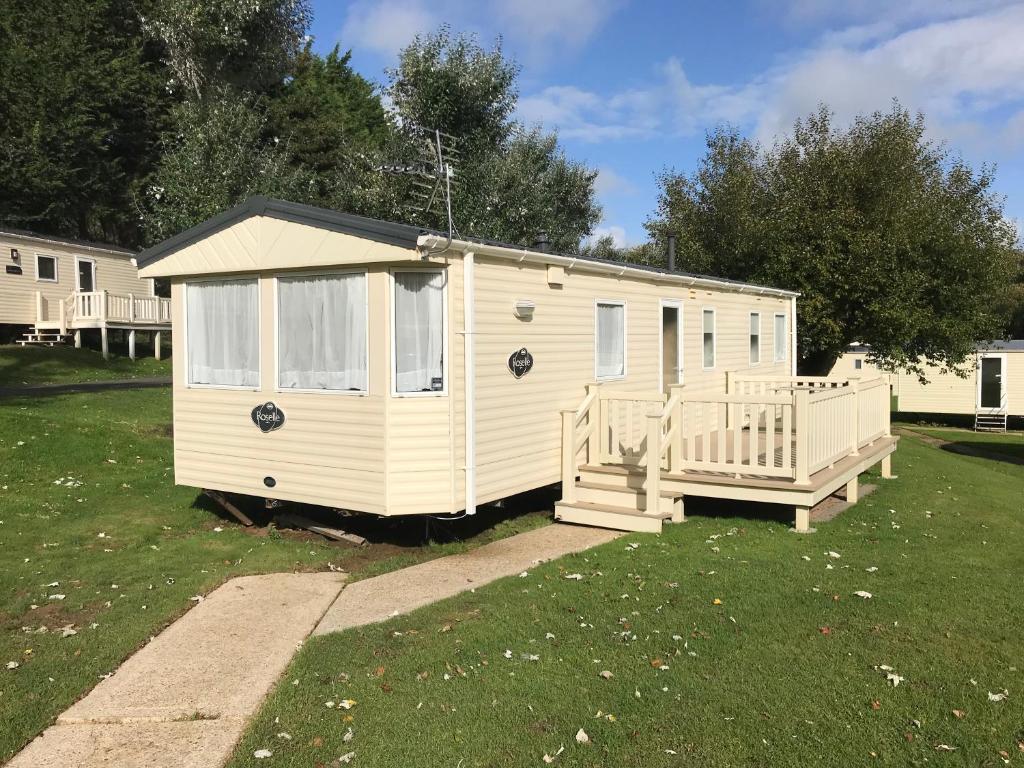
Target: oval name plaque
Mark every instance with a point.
(520, 363)
(267, 417)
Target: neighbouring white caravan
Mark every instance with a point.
(992, 389)
(353, 363)
(59, 286)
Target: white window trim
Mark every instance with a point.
(277, 333)
(625, 339)
(775, 347)
(445, 330)
(755, 363)
(95, 280)
(714, 338)
(259, 329)
(1003, 389)
(56, 268)
(678, 304)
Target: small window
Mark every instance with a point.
(755, 338)
(709, 339)
(222, 319)
(781, 338)
(46, 268)
(858, 364)
(610, 340)
(321, 332)
(419, 329)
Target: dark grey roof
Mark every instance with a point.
(67, 240)
(1013, 345)
(392, 233)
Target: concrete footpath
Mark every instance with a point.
(184, 699)
(382, 597)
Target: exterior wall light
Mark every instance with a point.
(523, 309)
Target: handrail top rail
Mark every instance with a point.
(742, 399)
(806, 379)
(646, 397)
(821, 395)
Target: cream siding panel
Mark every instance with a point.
(518, 426)
(261, 243)
(949, 393)
(114, 272)
(1015, 383)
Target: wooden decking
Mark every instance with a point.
(794, 443)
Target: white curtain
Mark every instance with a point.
(781, 343)
(322, 332)
(223, 333)
(755, 337)
(419, 331)
(709, 339)
(611, 340)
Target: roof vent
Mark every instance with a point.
(671, 252)
(541, 242)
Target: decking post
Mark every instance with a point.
(855, 418)
(594, 421)
(104, 345)
(801, 427)
(802, 524)
(103, 307)
(654, 464)
(676, 464)
(78, 339)
(887, 468)
(157, 352)
(852, 490)
(568, 456)
(678, 510)
(131, 308)
(131, 344)
(729, 386)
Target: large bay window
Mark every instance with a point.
(418, 331)
(709, 339)
(222, 329)
(321, 332)
(610, 340)
(781, 338)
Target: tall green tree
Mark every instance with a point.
(83, 103)
(891, 240)
(511, 181)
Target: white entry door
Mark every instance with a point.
(86, 275)
(992, 383)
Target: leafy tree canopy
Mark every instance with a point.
(891, 240)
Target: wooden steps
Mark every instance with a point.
(608, 516)
(989, 422)
(36, 337)
(610, 496)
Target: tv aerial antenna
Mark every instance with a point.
(431, 170)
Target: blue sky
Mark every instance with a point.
(633, 87)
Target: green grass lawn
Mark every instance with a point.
(786, 671)
(23, 366)
(1007, 444)
(89, 511)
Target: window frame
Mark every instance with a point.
(680, 338)
(93, 266)
(277, 331)
(259, 331)
(445, 330)
(754, 363)
(56, 268)
(704, 310)
(776, 358)
(625, 338)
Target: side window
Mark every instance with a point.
(858, 364)
(709, 339)
(321, 332)
(222, 319)
(610, 340)
(46, 268)
(781, 338)
(418, 331)
(755, 338)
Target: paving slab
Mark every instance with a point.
(398, 592)
(193, 744)
(220, 659)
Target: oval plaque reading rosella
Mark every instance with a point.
(267, 417)
(520, 363)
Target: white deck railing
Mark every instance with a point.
(103, 306)
(767, 427)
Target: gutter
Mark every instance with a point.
(71, 245)
(522, 254)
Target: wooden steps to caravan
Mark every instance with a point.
(608, 516)
(35, 337)
(989, 422)
(613, 497)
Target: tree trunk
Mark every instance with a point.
(817, 363)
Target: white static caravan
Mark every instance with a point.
(365, 365)
(60, 287)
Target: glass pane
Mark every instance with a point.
(419, 331)
(322, 332)
(780, 338)
(222, 321)
(611, 340)
(991, 382)
(46, 268)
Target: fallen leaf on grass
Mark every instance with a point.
(347, 703)
(876, 704)
(259, 754)
(581, 737)
(574, 576)
(959, 714)
(998, 696)
(13, 665)
(944, 748)
(862, 593)
(716, 601)
(606, 675)
(347, 757)
(551, 758)
(825, 630)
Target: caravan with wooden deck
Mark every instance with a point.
(371, 366)
(59, 287)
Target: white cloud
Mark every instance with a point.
(386, 27)
(957, 70)
(608, 182)
(541, 28)
(617, 234)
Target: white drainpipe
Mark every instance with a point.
(469, 361)
(792, 321)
